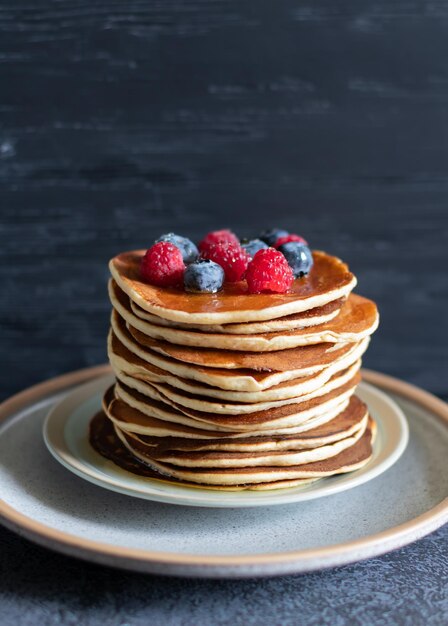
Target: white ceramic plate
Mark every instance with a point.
(44, 502)
(67, 425)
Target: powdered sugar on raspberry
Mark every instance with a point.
(163, 265)
(288, 238)
(215, 237)
(269, 272)
(230, 256)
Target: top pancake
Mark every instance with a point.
(328, 280)
(312, 317)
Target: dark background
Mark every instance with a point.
(124, 120)
(121, 120)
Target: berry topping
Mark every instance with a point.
(269, 271)
(271, 236)
(231, 257)
(281, 240)
(253, 246)
(163, 265)
(189, 251)
(203, 276)
(217, 236)
(298, 256)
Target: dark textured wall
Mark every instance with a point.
(122, 120)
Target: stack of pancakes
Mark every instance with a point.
(240, 391)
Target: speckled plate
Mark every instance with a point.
(67, 425)
(52, 506)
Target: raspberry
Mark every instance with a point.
(269, 271)
(163, 265)
(231, 257)
(217, 236)
(288, 238)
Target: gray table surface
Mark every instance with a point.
(406, 587)
(120, 121)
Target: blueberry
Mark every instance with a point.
(189, 251)
(299, 257)
(203, 276)
(271, 236)
(253, 246)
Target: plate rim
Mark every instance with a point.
(206, 566)
(61, 414)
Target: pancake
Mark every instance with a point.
(218, 459)
(346, 423)
(279, 484)
(328, 280)
(122, 360)
(212, 405)
(104, 440)
(312, 317)
(239, 380)
(287, 419)
(134, 412)
(353, 457)
(357, 319)
(234, 390)
(294, 359)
